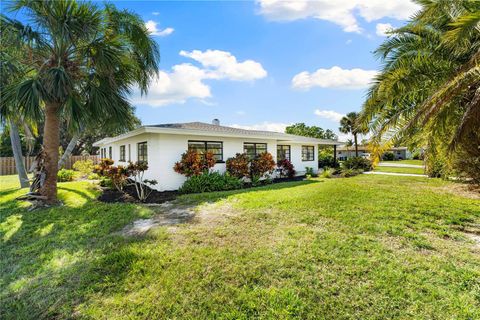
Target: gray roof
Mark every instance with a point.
(202, 126)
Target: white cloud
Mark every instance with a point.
(186, 81)
(329, 114)
(155, 31)
(223, 64)
(264, 126)
(155, 13)
(383, 28)
(334, 77)
(343, 13)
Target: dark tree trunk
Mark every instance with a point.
(51, 142)
(356, 145)
(17, 153)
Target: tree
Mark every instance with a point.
(84, 62)
(301, 129)
(349, 124)
(428, 91)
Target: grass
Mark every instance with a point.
(400, 170)
(415, 162)
(368, 247)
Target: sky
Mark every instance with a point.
(264, 64)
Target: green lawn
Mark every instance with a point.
(400, 170)
(367, 247)
(415, 162)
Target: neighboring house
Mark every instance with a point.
(162, 145)
(344, 153)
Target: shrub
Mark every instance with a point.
(326, 160)
(136, 171)
(117, 175)
(327, 173)
(350, 172)
(211, 181)
(93, 176)
(357, 163)
(85, 167)
(65, 175)
(238, 166)
(286, 168)
(388, 156)
(106, 182)
(194, 163)
(309, 171)
(261, 165)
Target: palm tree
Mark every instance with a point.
(83, 64)
(348, 124)
(428, 91)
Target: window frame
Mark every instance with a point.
(255, 147)
(143, 155)
(289, 158)
(205, 143)
(122, 153)
(313, 153)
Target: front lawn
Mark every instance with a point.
(368, 247)
(407, 161)
(400, 170)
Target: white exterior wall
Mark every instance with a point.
(166, 149)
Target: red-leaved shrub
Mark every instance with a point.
(238, 166)
(194, 163)
(286, 168)
(261, 164)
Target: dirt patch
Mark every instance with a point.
(463, 190)
(130, 195)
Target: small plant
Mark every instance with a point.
(136, 171)
(65, 175)
(388, 156)
(211, 181)
(238, 166)
(261, 165)
(309, 172)
(286, 168)
(117, 175)
(93, 176)
(85, 167)
(327, 173)
(350, 172)
(194, 163)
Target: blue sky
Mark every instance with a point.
(254, 64)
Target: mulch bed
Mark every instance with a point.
(130, 194)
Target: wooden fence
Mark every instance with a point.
(7, 164)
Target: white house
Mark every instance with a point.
(162, 145)
(344, 152)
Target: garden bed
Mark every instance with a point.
(130, 195)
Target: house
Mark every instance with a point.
(344, 152)
(162, 145)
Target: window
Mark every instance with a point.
(308, 153)
(142, 152)
(129, 153)
(283, 152)
(110, 152)
(254, 149)
(122, 153)
(215, 147)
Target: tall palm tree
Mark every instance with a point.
(349, 124)
(83, 64)
(428, 91)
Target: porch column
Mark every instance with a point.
(334, 154)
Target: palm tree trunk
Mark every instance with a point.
(356, 145)
(68, 151)
(17, 154)
(51, 141)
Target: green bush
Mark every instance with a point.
(350, 172)
(327, 173)
(326, 159)
(93, 176)
(106, 182)
(388, 156)
(357, 163)
(212, 181)
(309, 172)
(85, 167)
(65, 175)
